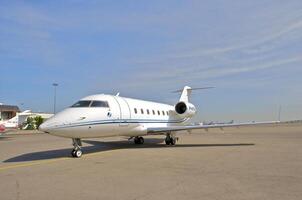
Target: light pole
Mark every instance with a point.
(55, 97)
(21, 106)
(1, 111)
(279, 116)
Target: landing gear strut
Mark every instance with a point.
(170, 139)
(76, 152)
(139, 140)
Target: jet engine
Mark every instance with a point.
(185, 109)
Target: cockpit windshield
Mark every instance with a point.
(86, 103)
(99, 104)
(81, 104)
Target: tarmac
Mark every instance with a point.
(254, 163)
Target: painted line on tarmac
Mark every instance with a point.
(31, 164)
(27, 164)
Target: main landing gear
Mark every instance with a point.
(139, 140)
(170, 139)
(76, 152)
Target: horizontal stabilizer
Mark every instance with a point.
(200, 88)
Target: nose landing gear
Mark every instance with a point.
(76, 152)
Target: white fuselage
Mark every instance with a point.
(108, 115)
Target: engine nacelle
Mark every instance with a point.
(185, 109)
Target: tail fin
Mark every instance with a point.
(186, 92)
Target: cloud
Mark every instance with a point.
(167, 77)
(263, 49)
(24, 14)
(259, 44)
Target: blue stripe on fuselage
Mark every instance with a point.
(119, 121)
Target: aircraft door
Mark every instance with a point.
(125, 113)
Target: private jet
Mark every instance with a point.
(105, 115)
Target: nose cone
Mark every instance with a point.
(54, 124)
(48, 125)
(43, 127)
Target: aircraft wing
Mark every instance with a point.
(158, 130)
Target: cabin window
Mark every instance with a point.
(103, 104)
(167, 112)
(153, 112)
(142, 111)
(81, 104)
(158, 112)
(135, 110)
(148, 111)
(164, 113)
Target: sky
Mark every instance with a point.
(250, 51)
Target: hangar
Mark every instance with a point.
(8, 111)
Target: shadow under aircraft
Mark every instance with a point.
(99, 146)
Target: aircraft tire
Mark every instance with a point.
(78, 153)
(141, 140)
(73, 153)
(168, 141)
(172, 141)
